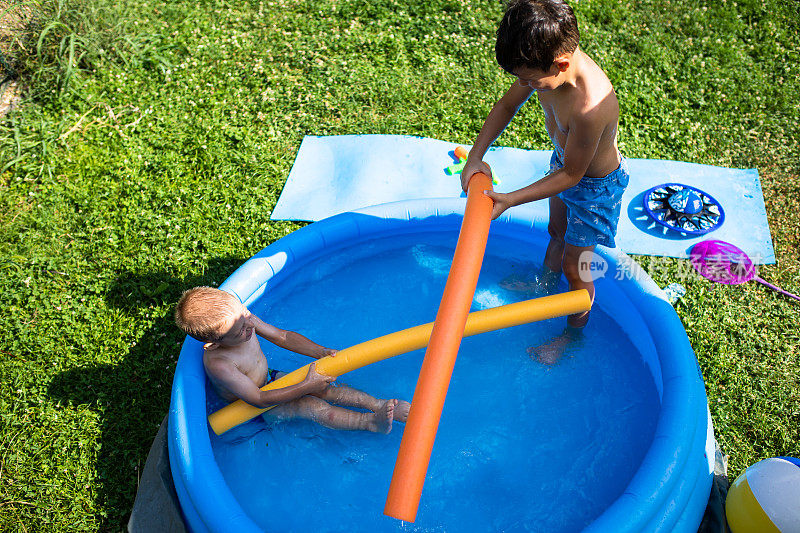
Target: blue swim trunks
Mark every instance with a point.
(593, 206)
(273, 375)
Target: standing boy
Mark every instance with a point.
(537, 42)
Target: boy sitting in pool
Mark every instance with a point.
(237, 368)
(537, 42)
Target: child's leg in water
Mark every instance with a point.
(341, 394)
(334, 417)
(577, 259)
(557, 228)
(552, 351)
(545, 281)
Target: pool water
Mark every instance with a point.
(521, 446)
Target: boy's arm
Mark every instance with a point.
(582, 141)
(229, 376)
(498, 119)
(290, 340)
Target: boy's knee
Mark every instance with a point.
(319, 411)
(572, 266)
(571, 271)
(308, 405)
(323, 393)
(556, 232)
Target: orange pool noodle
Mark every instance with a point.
(440, 358)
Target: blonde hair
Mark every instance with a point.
(202, 311)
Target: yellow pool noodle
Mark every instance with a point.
(406, 341)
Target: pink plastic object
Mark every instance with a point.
(723, 262)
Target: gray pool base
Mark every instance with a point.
(156, 508)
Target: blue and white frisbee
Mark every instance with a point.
(683, 208)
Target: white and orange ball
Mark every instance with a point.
(766, 498)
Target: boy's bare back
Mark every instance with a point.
(589, 100)
(581, 112)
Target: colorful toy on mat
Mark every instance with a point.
(723, 262)
(766, 497)
(683, 208)
(461, 154)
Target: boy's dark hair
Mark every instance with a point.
(534, 32)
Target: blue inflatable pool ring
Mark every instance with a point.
(665, 490)
(683, 208)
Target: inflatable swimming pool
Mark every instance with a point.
(616, 437)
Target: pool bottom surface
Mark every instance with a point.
(521, 446)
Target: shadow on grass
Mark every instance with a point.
(132, 395)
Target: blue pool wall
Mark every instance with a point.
(669, 491)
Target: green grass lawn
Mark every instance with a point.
(156, 136)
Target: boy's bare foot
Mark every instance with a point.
(544, 281)
(520, 282)
(551, 352)
(517, 284)
(383, 417)
(401, 411)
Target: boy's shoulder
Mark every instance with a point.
(596, 83)
(242, 356)
(220, 370)
(595, 98)
(218, 359)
